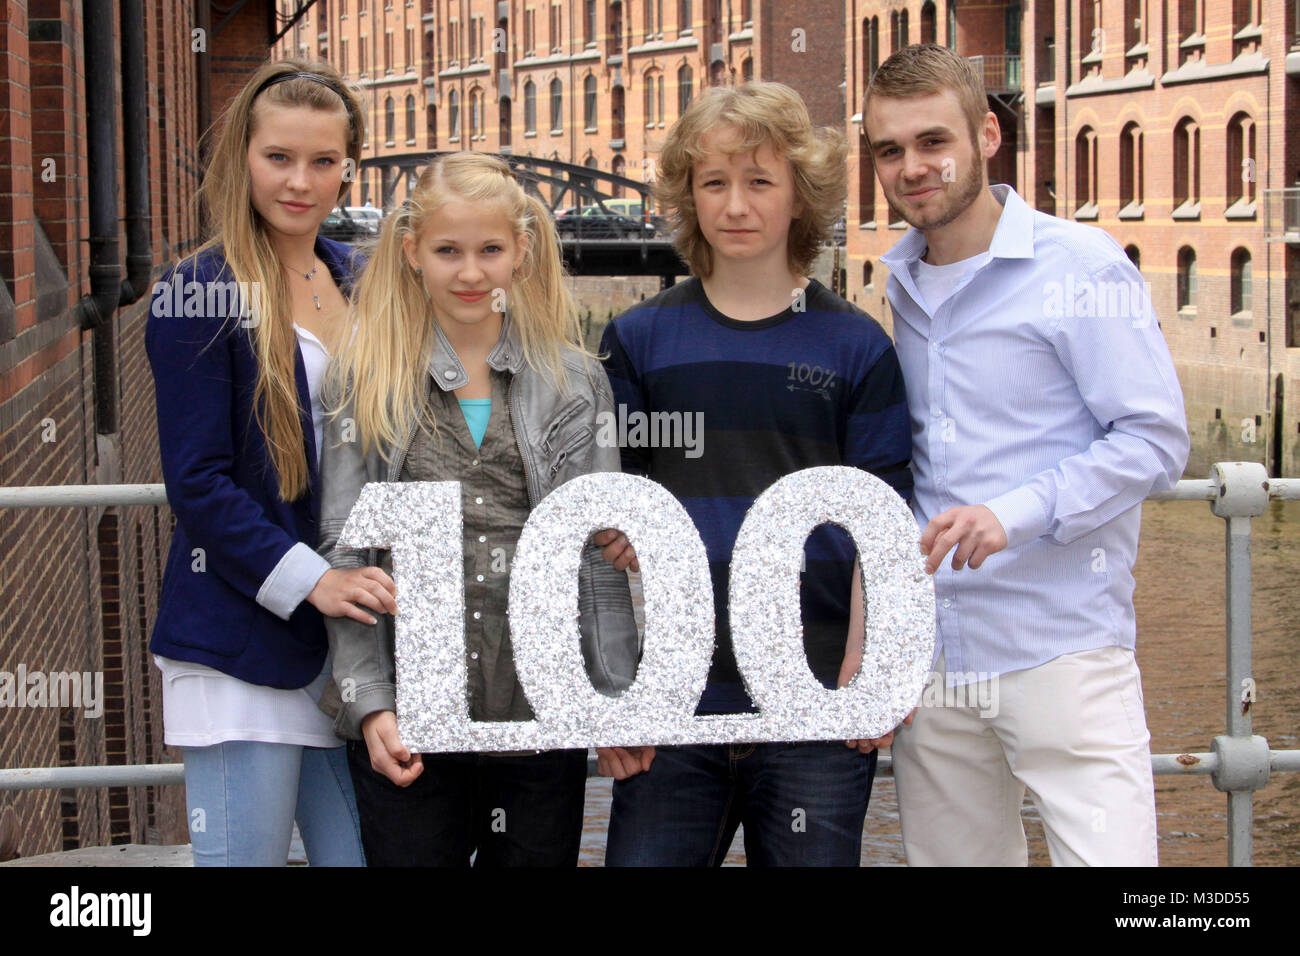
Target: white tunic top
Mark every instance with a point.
(202, 706)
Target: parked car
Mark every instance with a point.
(340, 226)
(368, 216)
(593, 222)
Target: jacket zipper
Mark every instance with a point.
(516, 421)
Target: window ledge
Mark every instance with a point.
(1187, 312)
(1193, 41)
(867, 225)
(1188, 210)
(1138, 49)
(530, 134)
(590, 129)
(1241, 209)
(1252, 31)
(898, 225)
(1088, 211)
(1132, 211)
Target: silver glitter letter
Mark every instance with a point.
(420, 521)
(766, 630)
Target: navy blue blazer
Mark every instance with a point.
(222, 486)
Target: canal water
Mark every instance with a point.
(1181, 652)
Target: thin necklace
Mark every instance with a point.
(307, 275)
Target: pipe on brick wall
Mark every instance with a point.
(95, 311)
(135, 148)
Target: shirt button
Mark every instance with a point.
(482, 538)
(480, 577)
(946, 603)
(936, 411)
(473, 655)
(474, 462)
(477, 615)
(938, 482)
(449, 373)
(478, 501)
(934, 346)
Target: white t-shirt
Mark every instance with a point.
(938, 283)
(202, 706)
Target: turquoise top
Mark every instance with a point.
(477, 411)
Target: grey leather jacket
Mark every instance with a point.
(556, 433)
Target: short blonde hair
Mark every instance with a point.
(760, 113)
(926, 68)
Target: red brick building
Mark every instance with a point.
(591, 82)
(99, 160)
(1166, 124)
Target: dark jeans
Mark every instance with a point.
(802, 804)
(515, 811)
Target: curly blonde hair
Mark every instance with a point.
(759, 113)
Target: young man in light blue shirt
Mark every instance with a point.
(1044, 409)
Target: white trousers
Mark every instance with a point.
(1072, 731)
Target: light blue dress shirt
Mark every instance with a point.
(1042, 388)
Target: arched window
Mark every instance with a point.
(617, 112)
(867, 271)
(1241, 159)
(589, 104)
(685, 88)
(928, 27)
(1085, 174)
(504, 135)
(410, 118)
(1130, 169)
(1241, 281)
(1134, 256)
(557, 106)
(475, 114)
(1187, 278)
(866, 182)
(1187, 166)
(619, 168)
(530, 107)
(389, 120)
(453, 115)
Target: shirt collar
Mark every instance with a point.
(1012, 239)
(445, 365)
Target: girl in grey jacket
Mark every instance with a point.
(465, 366)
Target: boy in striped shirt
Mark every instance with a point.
(782, 374)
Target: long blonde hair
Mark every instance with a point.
(238, 229)
(382, 365)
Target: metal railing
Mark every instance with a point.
(1238, 762)
(1282, 214)
(1000, 71)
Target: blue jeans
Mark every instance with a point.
(802, 804)
(243, 797)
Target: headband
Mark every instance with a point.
(314, 77)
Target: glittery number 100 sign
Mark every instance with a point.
(421, 523)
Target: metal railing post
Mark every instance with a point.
(1241, 492)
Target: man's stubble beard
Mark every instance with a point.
(969, 190)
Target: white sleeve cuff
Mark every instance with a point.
(291, 580)
(1021, 515)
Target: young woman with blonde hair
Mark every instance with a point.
(238, 339)
(466, 366)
